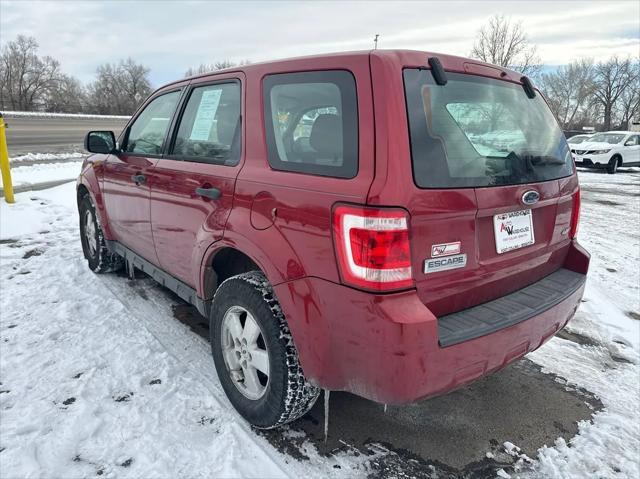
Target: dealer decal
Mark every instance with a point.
(434, 265)
(445, 249)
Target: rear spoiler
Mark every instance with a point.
(528, 87)
(437, 71)
(440, 76)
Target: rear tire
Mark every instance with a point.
(254, 354)
(99, 258)
(612, 167)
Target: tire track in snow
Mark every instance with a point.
(183, 346)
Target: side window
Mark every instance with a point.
(633, 140)
(210, 125)
(147, 133)
(311, 123)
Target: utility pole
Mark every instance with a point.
(375, 42)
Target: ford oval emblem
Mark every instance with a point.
(530, 197)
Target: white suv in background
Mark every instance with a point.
(608, 150)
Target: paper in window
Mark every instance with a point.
(206, 113)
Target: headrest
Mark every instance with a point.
(326, 135)
(226, 126)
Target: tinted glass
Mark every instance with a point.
(148, 131)
(311, 123)
(476, 131)
(210, 126)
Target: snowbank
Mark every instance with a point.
(42, 173)
(46, 157)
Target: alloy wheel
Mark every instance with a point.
(245, 352)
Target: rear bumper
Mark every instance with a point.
(386, 347)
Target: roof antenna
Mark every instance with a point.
(375, 41)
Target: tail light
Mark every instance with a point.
(372, 246)
(575, 215)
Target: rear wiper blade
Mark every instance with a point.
(534, 160)
(545, 160)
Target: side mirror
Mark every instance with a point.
(630, 143)
(100, 142)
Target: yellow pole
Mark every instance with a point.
(4, 164)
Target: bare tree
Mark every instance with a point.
(25, 78)
(629, 103)
(212, 67)
(569, 90)
(119, 88)
(612, 79)
(505, 43)
(68, 96)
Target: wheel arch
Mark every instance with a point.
(88, 184)
(236, 254)
(223, 263)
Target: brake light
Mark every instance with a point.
(372, 247)
(575, 215)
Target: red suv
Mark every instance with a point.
(394, 224)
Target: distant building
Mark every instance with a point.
(634, 125)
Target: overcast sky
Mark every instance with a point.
(169, 37)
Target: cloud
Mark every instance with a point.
(169, 37)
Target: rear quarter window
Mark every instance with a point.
(311, 123)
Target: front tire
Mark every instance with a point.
(612, 167)
(254, 354)
(99, 258)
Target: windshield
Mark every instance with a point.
(476, 131)
(610, 138)
(578, 139)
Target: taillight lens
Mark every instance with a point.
(575, 215)
(372, 246)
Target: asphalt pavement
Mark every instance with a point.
(41, 134)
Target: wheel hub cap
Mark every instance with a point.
(245, 352)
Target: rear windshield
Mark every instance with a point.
(477, 131)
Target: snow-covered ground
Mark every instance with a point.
(97, 378)
(46, 157)
(23, 176)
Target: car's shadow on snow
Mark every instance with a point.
(461, 434)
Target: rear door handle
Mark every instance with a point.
(212, 193)
(137, 179)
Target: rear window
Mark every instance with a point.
(477, 131)
(311, 123)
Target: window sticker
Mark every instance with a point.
(206, 113)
